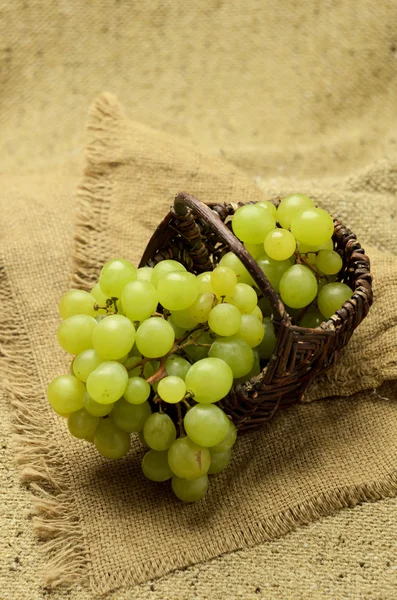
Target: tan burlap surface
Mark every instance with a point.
(288, 93)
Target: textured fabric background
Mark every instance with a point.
(297, 90)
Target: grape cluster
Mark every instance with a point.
(156, 348)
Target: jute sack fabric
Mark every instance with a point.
(103, 521)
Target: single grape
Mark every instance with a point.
(159, 431)
(82, 424)
(223, 281)
(251, 223)
(255, 370)
(235, 352)
(290, 206)
(280, 244)
(95, 408)
(172, 389)
(177, 290)
(269, 207)
(75, 333)
(189, 491)
(257, 313)
(113, 337)
(131, 362)
(155, 466)
(219, 461)
(265, 307)
(251, 330)
(231, 260)
(137, 390)
(329, 262)
(182, 321)
(99, 297)
(106, 384)
(206, 424)
(204, 283)
(76, 302)
(228, 441)
(313, 226)
(199, 352)
(268, 343)
(65, 394)
(155, 337)
(209, 379)
(110, 440)
(163, 267)
(304, 248)
(244, 298)
(179, 331)
(188, 460)
(254, 249)
(196, 313)
(139, 300)
(331, 298)
(142, 440)
(298, 286)
(177, 366)
(131, 417)
(312, 318)
(274, 270)
(115, 274)
(225, 319)
(85, 362)
(144, 274)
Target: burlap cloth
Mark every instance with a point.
(102, 523)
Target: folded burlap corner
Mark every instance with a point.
(102, 520)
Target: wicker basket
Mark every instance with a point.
(198, 235)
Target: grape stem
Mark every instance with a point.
(302, 259)
(180, 420)
(159, 374)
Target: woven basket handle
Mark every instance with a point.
(184, 201)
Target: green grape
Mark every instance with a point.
(95, 408)
(99, 296)
(290, 206)
(181, 321)
(254, 249)
(155, 466)
(232, 261)
(164, 267)
(209, 379)
(224, 319)
(274, 270)
(65, 394)
(223, 281)
(219, 461)
(131, 362)
(205, 340)
(331, 298)
(144, 274)
(206, 424)
(251, 223)
(293, 312)
(312, 318)
(280, 244)
(115, 274)
(269, 207)
(304, 248)
(110, 440)
(256, 369)
(139, 300)
(268, 344)
(313, 226)
(131, 417)
(177, 290)
(113, 337)
(198, 312)
(235, 352)
(172, 389)
(75, 333)
(188, 460)
(177, 366)
(85, 362)
(189, 491)
(298, 286)
(82, 424)
(204, 283)
(251, 330)
(159, 431)
(76, 302)
(265, 307)
(142, 440)
(244, 298)
(155, 337)
(179, 331)
(137, 390)
(329, 262)
(257, 313)
(107, 383)
(228, 441)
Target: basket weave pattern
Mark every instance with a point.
(198, 235)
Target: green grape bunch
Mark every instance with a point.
(155, 349)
